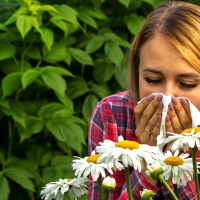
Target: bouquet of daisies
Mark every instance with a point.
(120, 155)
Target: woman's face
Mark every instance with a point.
(163, 70)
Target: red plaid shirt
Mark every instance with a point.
(112, 117)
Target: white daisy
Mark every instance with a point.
(179, 166)
(188, 138)
(89, 165)
(154, 170)
(73, 187)
(146, 194)
(109, 184)
(129, 152)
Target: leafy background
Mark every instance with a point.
(58, 58)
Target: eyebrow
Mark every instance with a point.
(179, 75)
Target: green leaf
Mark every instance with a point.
(116, 39)
(9, 66)
(62, 162)
(6, 51)
(55, 82)
(28, 77)
(114, 53)
(100, 90)
(66, 130)
(59, 23)
(17, 112)
(95, 12)
(125, 2)
(81, 56)
(64, 147)
(66, 12)
(76, 146)
(19, 177)
(133, 22)
(4, 187)
(34, 52)
(50, 174)
(11, 83)
(33, 125)
(17, 13)
(23, 25)
(45, 8)
(120, 75)
(103, 71)
(68, 58)
(35, 23)
(51, 109)
(4, 103)
(57, 53)
(57, 70)
(154, 3)
(66, 101)
(77, 87)
(47, 37)
(4, 28)
(87, 19)
(40, 155)
(88, 106)
(94, 44)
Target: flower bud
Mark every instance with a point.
(146, 194)
(154, 170)
(109, 184)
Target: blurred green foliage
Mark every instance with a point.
(57, 60)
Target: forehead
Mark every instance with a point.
(158, 53)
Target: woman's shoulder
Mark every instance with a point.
(118, 99)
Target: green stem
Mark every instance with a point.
(150, 198)
(194, 161)
(175, 189)
(128, 183)
(39, 62)
(65, 197)
(100, 187)
(167, 186)
(106, 194)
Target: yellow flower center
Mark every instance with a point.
(93, 158)
(173, 160)
(126, 144)
(196, 130)
(68, 180)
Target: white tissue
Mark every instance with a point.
(195, 114)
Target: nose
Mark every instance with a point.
(169, 89)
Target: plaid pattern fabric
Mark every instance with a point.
(112, 117)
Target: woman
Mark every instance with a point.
(164, 58)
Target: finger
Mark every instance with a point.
(168, 125)
(141, 107)
(152, 122)
(182, 116)
(186, 106)
(175, 121)
(155, 132)
(149, 111)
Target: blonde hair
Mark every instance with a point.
(179, 22)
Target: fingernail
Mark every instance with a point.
(174, 100)
(167, 118)
(171, 107)
(159, 118)
(184, 102)
(160, 105)
(150, 97)
(159, 97)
